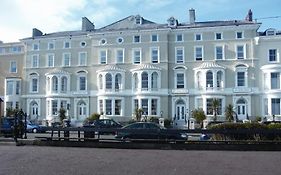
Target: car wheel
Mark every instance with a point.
(34, 130)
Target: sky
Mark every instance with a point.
(19, 17)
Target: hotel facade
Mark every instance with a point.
(167, 70)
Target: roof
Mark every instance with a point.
(146, 67)
(129, 23)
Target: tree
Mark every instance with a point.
(215, 106)
(10, 112)
(199, 116)
(229, 112)
(62, 115)
(138, 113)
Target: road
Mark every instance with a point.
(29, 160)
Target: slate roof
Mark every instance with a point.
(129, 23)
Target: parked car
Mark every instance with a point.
(104, 124)
(32, 127)
(150, 131)
(7, 125)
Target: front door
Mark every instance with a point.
(180, 116)
(180, 108)
(241, 109)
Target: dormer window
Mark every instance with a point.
(172, 22)
(138, 19)
(270, 32)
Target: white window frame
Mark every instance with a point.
(13, 66)
(242, 34)
(117, 55)
(216, 53)
(241, 69)
(64, 44)
(198, 34)
(34, 77)
(53, 58)
(244, 51)
(102, 57)
(195, 53)
(80, 75)
(134, 39)
(134, 56)
(156, 35)
(64, 59)
(33, 59)
(220, 34)
(49, 44)
(276, 55)
(182, 37)
(80, 62)
(279, 80)
(152, 55)
(176, 55)
(35, 46)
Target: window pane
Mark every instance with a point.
(154, 55)
(154, 107)
(275, 106)
(180, 80)
(103, 57)
(199, 53)
(209, 79)
(144, 104)
(240, 78)
(120, 56)
(144, 81)
(82, 83)
(108, 107)
(272, 55)
(179, 55)
(117, 107)
(137, 56)
(82, 58)
(108, 81)
(219, 53)
(240, 52)
(275, 80)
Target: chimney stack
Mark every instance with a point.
(87, 25)
(191, 16)
(249, 16)
(36, 32)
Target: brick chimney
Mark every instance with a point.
(191, 16)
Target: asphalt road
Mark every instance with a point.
(31, 160)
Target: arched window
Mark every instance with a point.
(100, 82)
(209, 79)
(33, 110)
(63, 84)
(144, 81)
(118, 79)
(108, 81)
(55, 83)
(154, 80)
(219, 79)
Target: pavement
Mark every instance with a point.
(29, 160)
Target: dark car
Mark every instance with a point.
(7, 125)
(149, 131)
(104, 124)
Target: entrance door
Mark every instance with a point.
(34, 111)
(180, 110)
(241, 109)
(82, 111)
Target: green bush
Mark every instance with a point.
(167, 123)
(154, 119)
(245, 135)
(92, 117)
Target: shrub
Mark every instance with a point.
(92, 117)
(244, 135)
(167, 123)
(154, 119)
(199, 116)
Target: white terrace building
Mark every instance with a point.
(167, 70)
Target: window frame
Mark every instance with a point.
(80, 62)
(118, 56)
(177, 56)
(13, 67)
(152, 55)
(181, 36)
(135, 56)
(152, 36)
(137, 39)
(238, 52)
(64, 59)
(196, 35)
(48, 60)
(196, 54)
(101, 57)
(270, 55)
(222, 52)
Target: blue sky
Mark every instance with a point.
(18, 17)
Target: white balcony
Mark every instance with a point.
(242, 90)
